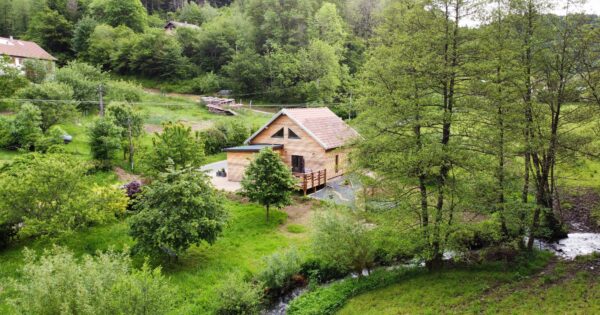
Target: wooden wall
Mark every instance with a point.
(315, 157)
(237, 163)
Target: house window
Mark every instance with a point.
(292, 135)
(278, 134)
(337, 163)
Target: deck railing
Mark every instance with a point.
(311, 180)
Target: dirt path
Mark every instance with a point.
(126, 177)
(300, 213)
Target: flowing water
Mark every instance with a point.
(576, 244)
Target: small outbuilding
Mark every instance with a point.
(310, 140)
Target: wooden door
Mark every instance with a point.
(297, 164)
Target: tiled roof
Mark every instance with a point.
(23, 49)
(329, 130)
(253, 147)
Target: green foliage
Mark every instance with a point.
(26, 130)
(214, 140)
(58, 283)
(156, 54)
(268, 180)
(176, 147)
(81, 35)
(177, 210)
(277, 276)
(196, 14)
(236, 296)
(5, 132)
(296, 228)
(10, 80)
(43, 95)
(51, 140)
(84, 80)
(329, 299)
(105, 140)
(130, 13)
(343, 242)
(123, 91)
(36, 71)
(52, 195)
(52, 31)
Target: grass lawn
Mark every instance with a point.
(246, 240)
(560, 289)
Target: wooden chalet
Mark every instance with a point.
(309, 140)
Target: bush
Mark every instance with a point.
(237, 296)
(26, 130)
(36, 71)
(319, 272)
(57, 283)
(343, 242)
(105, 141)
(214, 141)
(84, 79)
(5, 132)
(123, 91)
(177, 147)
(206, 83)
(52, 112)
(280, 273)
(52, 195)
(328, 299)
(53, 138)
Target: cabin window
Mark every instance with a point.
(292, 135)
(337, 163)
(278, 134)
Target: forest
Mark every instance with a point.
(474, 185)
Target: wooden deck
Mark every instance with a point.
(311, 180)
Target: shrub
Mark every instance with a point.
(206, 83)
(51, 194)
(320, 272)
(343, 242)
(279, 273)
(123, 91)
(214, 140)
(237, 296)
(84, 79)
(52, 112)
(26, 130)
(53, 138)
(328, 299)
(36, 71)
(236, 132)
(58, 283)
(5, 132)
(105, 140)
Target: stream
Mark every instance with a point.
(574, 245)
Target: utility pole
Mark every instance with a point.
(130, 142)
(100, 92)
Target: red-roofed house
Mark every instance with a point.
(309, 140)
(19, 50)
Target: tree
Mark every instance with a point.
(53, 32)
(177, 210)
(268, 180)
(176, 147)
(26, 131)
(37, 71)
(329, 27)
(52, 195)
(107, 283)
(81, 36)
(105, 140)
(158, 54)
(54, 99)
(130, 13)
(131, 123)
(343, 242)
(84, 80)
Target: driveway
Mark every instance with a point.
(220, 183)
(341, 190)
